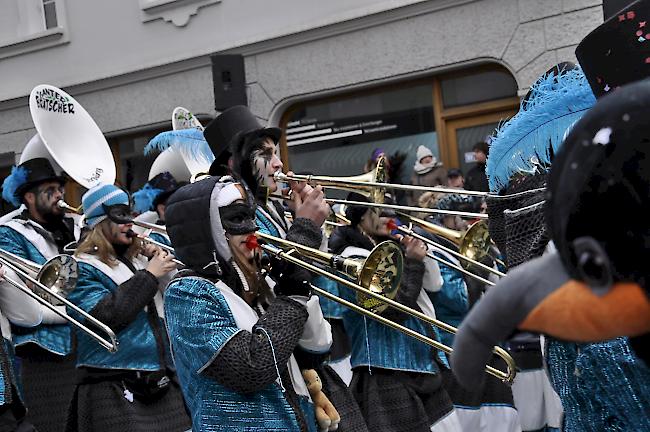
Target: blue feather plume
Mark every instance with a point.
(524, 143)
(143, 199)
(189, 141)
(16, 179)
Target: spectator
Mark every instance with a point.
(455, 179)
(426, 172)
(476, 178)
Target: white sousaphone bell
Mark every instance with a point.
(71, 136)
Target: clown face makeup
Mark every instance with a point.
(46, 197)
(265, 163)
(375, 225)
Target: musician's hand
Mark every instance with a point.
(161, 264)
(313, 206)
(415, 249)
(150, 250)
(300, 188)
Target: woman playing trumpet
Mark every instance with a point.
(133, 389)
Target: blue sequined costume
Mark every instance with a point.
(200, 322)
(53, 338)
(603, 386)
(137, 349)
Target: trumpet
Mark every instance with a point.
(379, 287)
(62, 274)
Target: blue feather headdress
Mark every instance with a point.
(189, 141)
(526, 141)
(16, 179)
(144, 198)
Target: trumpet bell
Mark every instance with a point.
(381, 273)
(60, 274)
(475, 242)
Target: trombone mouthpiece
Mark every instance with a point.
(391, 225)
(131, 234)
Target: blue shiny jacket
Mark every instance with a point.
(602, 386)
(54, 338)
(450, 302)
(137, 343)
(374, 344)
(199, 323)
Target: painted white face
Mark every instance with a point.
(265, 164)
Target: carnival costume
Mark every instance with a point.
(47, 366)
(593, 287)
(245, 136)
(133, 389)
(234, 359)
(396, 379)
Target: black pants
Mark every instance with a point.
(12, 416)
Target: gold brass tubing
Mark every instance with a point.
(110, 346)
(506, 377)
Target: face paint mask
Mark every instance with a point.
(238, 218)
(119, 213)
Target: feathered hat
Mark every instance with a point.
(184, 153)
(35, 167)
(528, 141)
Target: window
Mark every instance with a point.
(28, 25)
(7, 160)
(448, 113)
(49, 10)
(337, 137)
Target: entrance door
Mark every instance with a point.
(463, 133)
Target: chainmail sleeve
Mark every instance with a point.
(247, 362)
(305, 232)
(409, 289)
(120, 308)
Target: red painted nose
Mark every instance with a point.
(391, 225)
(251, 242)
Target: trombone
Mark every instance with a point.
(365, 183)
(377, 277)
(53, 272)
(473, 244)
(409, 231)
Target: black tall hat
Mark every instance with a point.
(220, 132)
(32, 173)
(618, 51)
(599, 191)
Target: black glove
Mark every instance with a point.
(290, 279)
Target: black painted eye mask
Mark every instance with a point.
(238, 218)
(119, 213)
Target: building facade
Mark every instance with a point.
(343, 77)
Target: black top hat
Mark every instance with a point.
(599, 191)
(39, 170)
(220, 132)
(618, 51)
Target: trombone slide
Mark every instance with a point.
(109, 345)
(506, 377)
